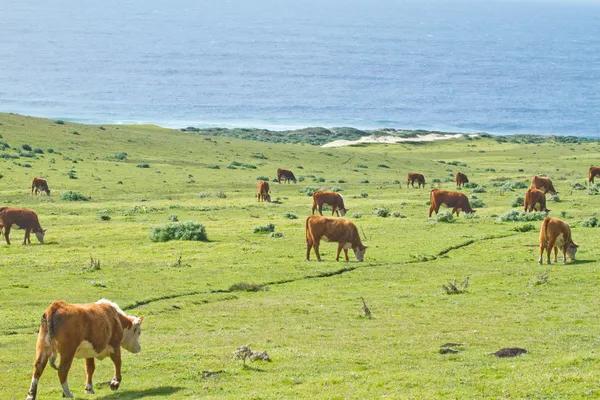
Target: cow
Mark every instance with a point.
(40, 185)
(95, 330)
(543, 184)
(342, 231)
(594, 171)
(262, 189)
(24, 219)
(554, 234)
(335, 200)
(533, 197)
(287, 175)
(412, 177)
(456, 200)
(461, 179)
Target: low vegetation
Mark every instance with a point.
(188, 230)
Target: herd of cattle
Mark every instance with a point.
(100, 329)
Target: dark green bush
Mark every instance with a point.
(519, 216)
(361, 166)
(524, 228)
(309, 190)
(264, 228)
(145, 165)
(121, 156)
(26, 147)
(188, 230)
(382, 212)
(73, 196)
(290, 215)
(262, 178)
(364, 181)
(591, 222)
(518, 201)
(59, 122)
(382, 166)
(172, 217)
(445, 216)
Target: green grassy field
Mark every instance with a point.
(308, 317)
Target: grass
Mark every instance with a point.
(309, 315)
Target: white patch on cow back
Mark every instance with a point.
(86, 350)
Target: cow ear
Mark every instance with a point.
(575, 244)
(140, 319)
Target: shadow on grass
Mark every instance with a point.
(577, 262)
(140, 394)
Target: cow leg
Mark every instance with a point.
(555, 253)
(38, 369)
(27, 231)
(542, 246)
(431, 208)
(116, 358)
(407, 183)
(321, 209)
(90, 367)
(339, 250)
(549, 248)
(346, 254)
(6, 233)
(334, 210)
(309, 245)
(316, 248)
(564, 251)
(454, 210)
(66, 359)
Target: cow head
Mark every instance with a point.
(131, 335)
(40, 235)
(359, 252)
(268, 198)
(343, 211)
(47, 191)
(572, 250)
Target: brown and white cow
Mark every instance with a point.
(96, 330)
(415, 177)
(335, 200)
(40, 185)
(262, 191)
(461, 179)
(456, 200)
(24, 219)
(287, 175)
(342, 231)
(594, 171)
(556, 234)
(543, 184)
(533, 197)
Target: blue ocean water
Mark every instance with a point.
(500, 66)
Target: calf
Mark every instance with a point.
(543, 184)
(24, 219)
(554, 234)
(335, 200)
(96, 330)
(286, 175)
(40, 185)
(533, 197)
(262, 189)
(461, 179)
(342, 231)
(594, 171)
(456, 200)
(412, 177)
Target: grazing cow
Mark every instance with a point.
(287, 175)
(96, 330)
(456, 200)
(40, 185)
(533, 197)
(262, 189)
(543, 184)
(335, 200)
(461, 179)
(594, 171)
(24, 219)
(342, 231)
(554, 234)
(412, 177)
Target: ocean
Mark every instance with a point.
(497, 66)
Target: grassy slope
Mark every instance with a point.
(312, 328)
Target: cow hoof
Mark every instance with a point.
(114, 384)
(30, 397)
(89, 390)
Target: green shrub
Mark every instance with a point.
(318, 180)
(143, 165)
(28, 154)
(50, 150)
(188, 230)
(476, 202)
(213, 166)
(356, 215)
(471, 216)
(309, 190)
(275, 234)
(523, 228)
(4, 145)
(262, 178)
(59, 122)
(457, 163)
(577, 186)
(436, 180)
(37, 150)
(364, 195)
(26, 147)
(518, 201)
(290, 215)
(520, 216)
(74, 132)
(121, 156)
(364, 181)
(591, 222)
(72, 173)
(382, 212)
(398, 214)
(361, 166)
(511, 186)
(471, 185)
(554, 198)
(382, 166)
(172, 217)
(249, 166)
(593, 190)
(7, 156)
(259, 155)
(479, 189)
(246, 287)
(337, 189)
(341, 181)
(26, 165)
(104, 215)
(445, 216)
(73, 196)
(264, 228)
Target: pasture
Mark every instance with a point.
(306, 315)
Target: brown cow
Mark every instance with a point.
(533, 197)
(543, 184)
(458, 201)
(412, 177)
(287, 175)
(24, 219)
(553, 234)
(342, 231)
(335, 200)
(40, 185)
(262, 189)
(594, 171)
(96, 330)
(461, 179)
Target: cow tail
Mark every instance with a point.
(431, 200)
(50, 323)
(545, 227)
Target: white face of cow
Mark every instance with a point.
(359, 252)
(269, 197)
(572, 250)
(343, 212)
(40, 236)
(131, 336)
